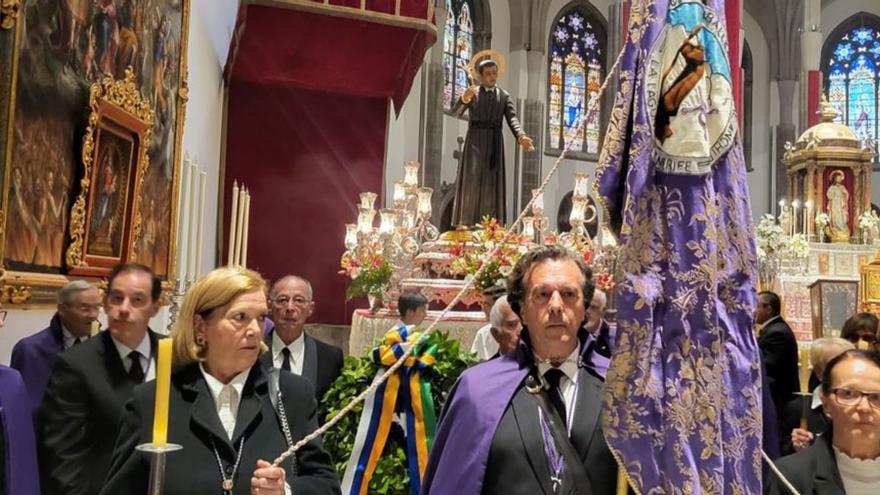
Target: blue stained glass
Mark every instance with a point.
(862, 35)
(458, 40)
(862, 98)
(844, 51)
(575, 52)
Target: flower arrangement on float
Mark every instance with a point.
(488, 235)
(369, 271)
(822, 221)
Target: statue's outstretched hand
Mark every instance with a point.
(527, 143)
(469, 94)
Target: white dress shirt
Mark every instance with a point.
(146, 358)
(70, 338)
(297, 352)
(568, 382)
(859, 476)
(226, 397)
(484, 345)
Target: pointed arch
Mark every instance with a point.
(851, 65)
(576, 57)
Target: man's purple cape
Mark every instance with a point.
(22, 477)
(477, 402)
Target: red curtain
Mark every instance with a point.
(305, 156)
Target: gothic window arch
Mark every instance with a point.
(748, 82)
(465, 32)
(576, 66)
(851, 63)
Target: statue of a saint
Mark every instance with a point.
(479, 188)
(838, 207)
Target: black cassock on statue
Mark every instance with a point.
(480, 182)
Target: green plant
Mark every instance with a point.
(391, 475)
(372, 281)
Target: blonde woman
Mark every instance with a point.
(221, 406)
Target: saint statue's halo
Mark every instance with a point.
(483, 54)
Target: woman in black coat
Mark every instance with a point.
(220, 409)
(846, 458)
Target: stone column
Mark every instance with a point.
(811, 53)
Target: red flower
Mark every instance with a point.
(588, 256)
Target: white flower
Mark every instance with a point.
(822, 220)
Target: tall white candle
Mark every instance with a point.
(191, 234)
(233, 216)
(236, 258)
(202, 179)
(184, 221)
(247, 215)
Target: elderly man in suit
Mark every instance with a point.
(34, 357)
(290, 348)
(529, 421)
(80, 416)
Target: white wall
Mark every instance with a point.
(762, 156)
(210, 30)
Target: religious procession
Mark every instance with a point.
(633, 247)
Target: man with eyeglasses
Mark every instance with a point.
(78, 305)
(290, 348)
(79, 418)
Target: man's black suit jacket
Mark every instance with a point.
(79, 418)
(517, 463)
(780, 354)
(322, 363)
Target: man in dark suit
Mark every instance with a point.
(80, 416)
(529, 421)
(597, 325)
(778, 349)
(34, 357)
(290, 348)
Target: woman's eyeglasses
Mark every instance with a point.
(848, 397)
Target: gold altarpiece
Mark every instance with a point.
(829, 170)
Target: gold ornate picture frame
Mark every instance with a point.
(44, 114)
(106, 217)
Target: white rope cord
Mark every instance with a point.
(779, 474)
(468, 282)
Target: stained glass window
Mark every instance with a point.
(577, 51)
(852, 75)
(458, 47)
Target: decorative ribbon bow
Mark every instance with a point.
(407, 389)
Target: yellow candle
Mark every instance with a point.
(805, 370)
(163, 388)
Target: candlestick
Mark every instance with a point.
(247, 230)
(163, 388)
(232, 218)
(236, 257)
(183, 215)
(794, 216)
(808, 207)
(203, 177)
(538, 203)
(805, 369)
(191, 233)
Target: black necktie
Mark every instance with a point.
(553, 375)
(76, 341)
(136, 372)
(286, 364)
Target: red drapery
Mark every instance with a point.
(307, 120)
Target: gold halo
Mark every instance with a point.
(495, 55)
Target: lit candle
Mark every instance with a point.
(183, 219)
(399, 194)
(365, 220)
(411, 173)
(581, 184)
(387, 219)
(808, 207)
(528, 228)
(163, 387)
(247, 216)
(577, 212)
(203, 177)
(424, 201)
(351, 239)
(232, 218)
(368, 199)
(538, 203)
(794, 217)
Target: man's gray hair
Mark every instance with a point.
(69, 291)
(290, 278)
(599, 295)
(496, 318)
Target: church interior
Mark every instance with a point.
(356, 145)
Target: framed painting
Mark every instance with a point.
(106, 216)
(57, 49)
